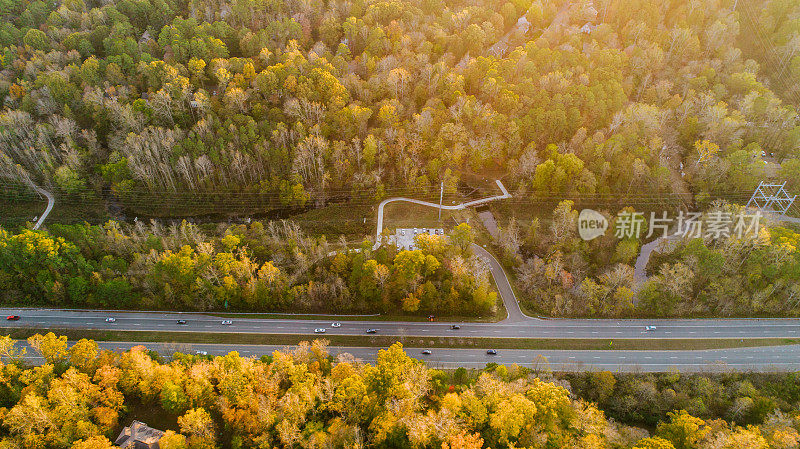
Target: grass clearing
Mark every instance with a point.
(17, 213)
(339, 219)
(387, 340)
(400, 214)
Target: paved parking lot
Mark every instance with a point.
(404, 237)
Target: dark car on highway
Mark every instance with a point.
(455, 327)
(181, 322)
(491, 351)
(12, 317)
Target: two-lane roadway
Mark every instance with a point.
(510, 328)
(516, 325)
(767, 359)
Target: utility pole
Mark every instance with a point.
(441, 196)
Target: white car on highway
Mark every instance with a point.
(227, 322)
(319, 330)
(111, 320)
(337, 324)
(649, 328)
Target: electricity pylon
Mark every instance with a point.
(771, 198)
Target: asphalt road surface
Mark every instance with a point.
(772, 358)
(516, 325)
(50, 202)
(528, 328)
(503, 286)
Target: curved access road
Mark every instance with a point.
(498, 274)
(504, 289)
(51, 201)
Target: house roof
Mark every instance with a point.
(139, 436)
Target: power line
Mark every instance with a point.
(762, 39)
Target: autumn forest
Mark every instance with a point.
(305, 398)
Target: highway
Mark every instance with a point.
(516, 325)
(767, 359)
(527, 328)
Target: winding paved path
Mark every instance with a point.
(50, 202)
(429, 204)
(500, 278)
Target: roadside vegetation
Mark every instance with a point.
(556, 273)
(183, 108)
(242, 267)
(81, 396)
(647, 399)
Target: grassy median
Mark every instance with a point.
(386, 340)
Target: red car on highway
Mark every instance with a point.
(12, 317)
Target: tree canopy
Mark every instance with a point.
(81, 397)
